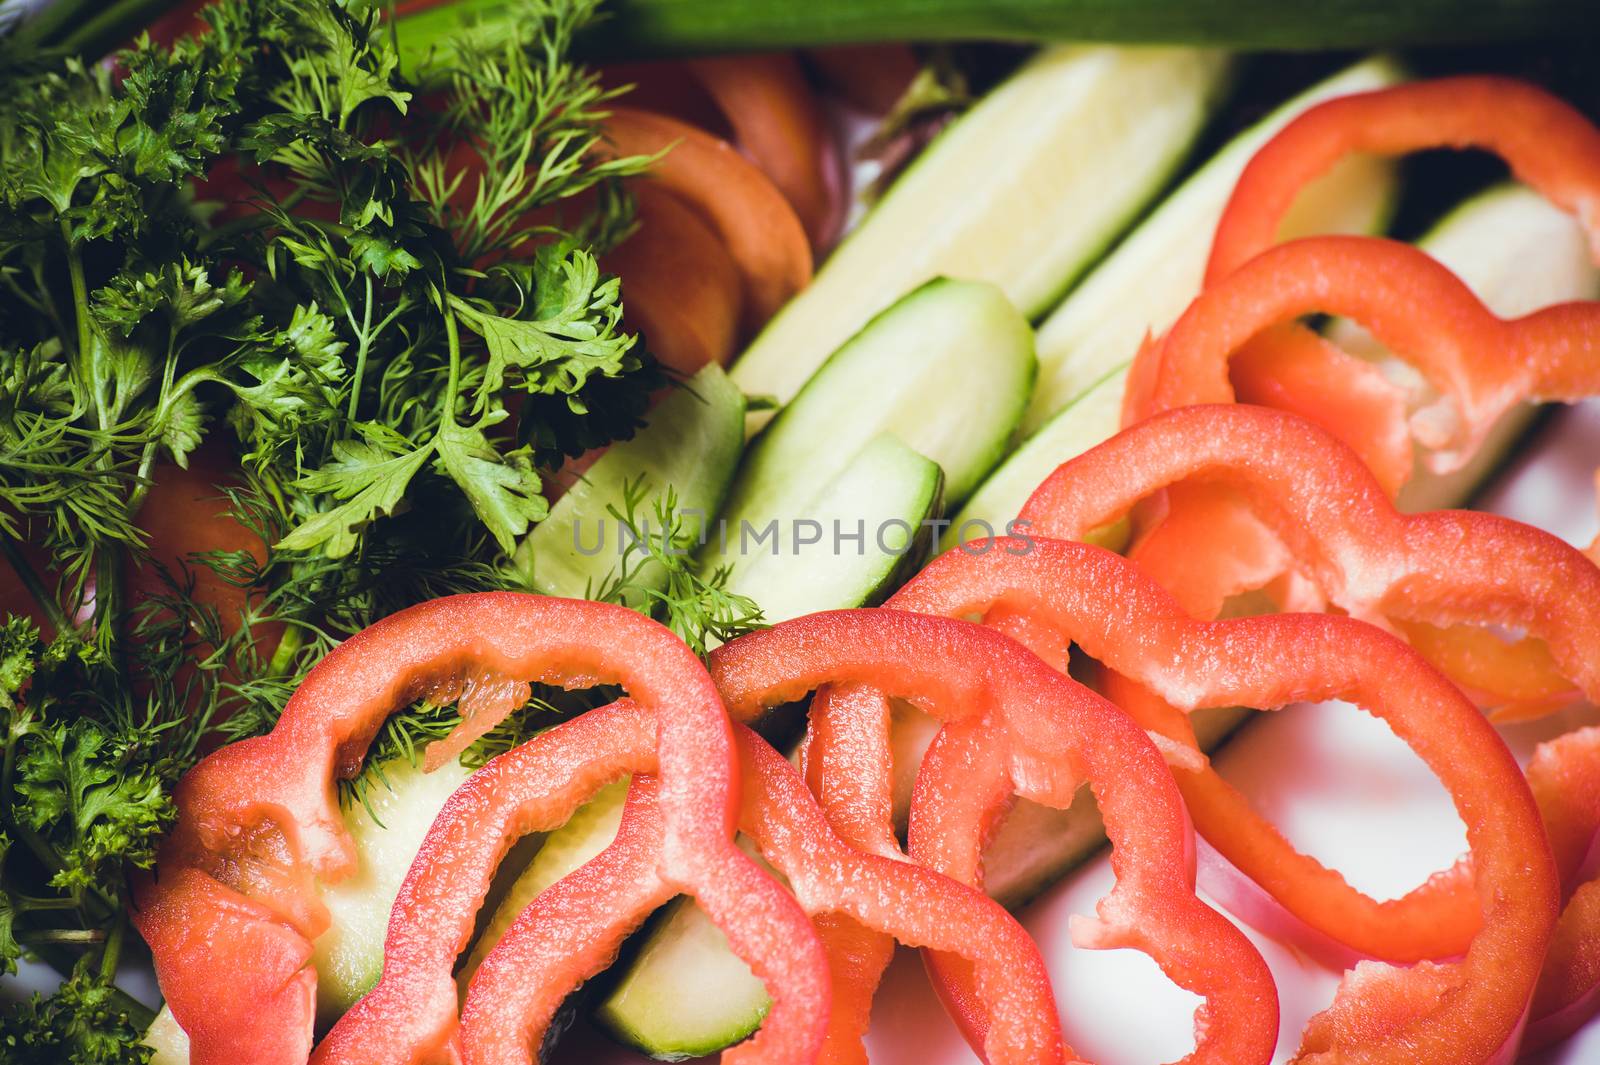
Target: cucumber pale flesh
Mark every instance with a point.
(689, 446)
(1144, 284)
(1025, 191)
(946, 370)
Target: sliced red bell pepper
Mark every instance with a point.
(569, 932)
(1051, 734)
(1482, 365)
(1439, 568)
(1548, 144)
(434, 910)
(261, 817)
(506, 1011)
(1345, 537)
(1565, 777)
(1456, 1012)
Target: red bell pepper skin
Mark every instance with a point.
(1097, 599)
(1337, 524)
(410, 1015)
(1055, 735)
(1438, 568)
(506, 1011)
(1549, 144)
(267, 990)
(1565, 777)
(261, 817)
(1482, 365)
(569, 932)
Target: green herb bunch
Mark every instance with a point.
(383, 306)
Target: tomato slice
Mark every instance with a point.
(751, 217)
(778, 122)
(680, 286)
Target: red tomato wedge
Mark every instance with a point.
(680, 286)
(185, 514)
(871, 77)
(754, 222)
(779, 124)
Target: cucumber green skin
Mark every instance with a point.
(1000, 196)
(1091, 419)
(685, 957)
(652, 28)
(688, 27)
(691, 445)
(947, 370)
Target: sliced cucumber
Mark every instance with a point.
(1147, 281)
(169, 1042)
(349, 955)
(690, 447)
(587, 832)
(1091, 419)
(868, 522)
(687, 993)
(946, 370)
(1518, 253)
(1025, 191)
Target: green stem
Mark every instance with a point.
(112, 952)
(361, 350)
(453, 336)
(147, 457)
(64, 936)
(31, 903)
(85, 330)
(30, 580)
(107, 559)
(289, 644)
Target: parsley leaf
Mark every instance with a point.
(503, 489)
(368, 476)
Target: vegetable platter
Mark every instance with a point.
(541, 531)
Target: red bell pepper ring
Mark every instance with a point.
(1565, 776)
(1438, 568)
(1549, 146)
(570, 931)
(261, 819)
(1055, 734)
(1120, 617)
(506, 1012)
(1344, 535)
(1414, 305)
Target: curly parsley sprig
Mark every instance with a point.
(259, 240)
